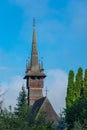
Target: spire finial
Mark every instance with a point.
(34, 22)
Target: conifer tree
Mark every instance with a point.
(0, 101)
(77, 126)
(70, 90)
(1, 98)
(21, 109)
(79, 83)
(22, 105)
(76, 111)
(85, 84)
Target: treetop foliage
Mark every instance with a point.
(76, 100)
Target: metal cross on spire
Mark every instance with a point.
(46, 91)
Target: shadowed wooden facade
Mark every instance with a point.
(34, 74)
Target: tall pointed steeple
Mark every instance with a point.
(34, 67)
(34, 73)
(34, 53)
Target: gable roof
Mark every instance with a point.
(43, 104)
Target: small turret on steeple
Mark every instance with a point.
(41, 65)
(28, 65)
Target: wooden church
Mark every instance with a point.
(35, 82)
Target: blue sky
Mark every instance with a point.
(61, 28)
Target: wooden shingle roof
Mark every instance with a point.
(43, 104)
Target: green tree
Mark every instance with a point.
(76, 110)
(21, 106)
(1, 100)
(70, 98)
(40, 123)
(7, 119)
(85, 84)
(16, 120)
(22, 109)
(79, 83)
(61, 123)
(77, 126)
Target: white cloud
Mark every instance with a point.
(56, 83)
(12, 90)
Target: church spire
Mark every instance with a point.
(34, 73)
(34, 53)
(33, 68)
